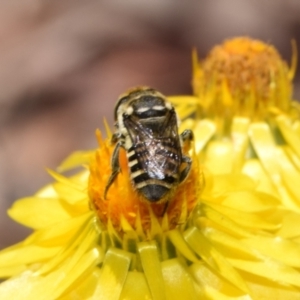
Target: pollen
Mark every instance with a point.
(125, 210)
(243, 77)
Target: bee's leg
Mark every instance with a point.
(186, 136)
(187, 169)
(115, 137)
(115, 166)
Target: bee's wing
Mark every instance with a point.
(169, 129)
(159, 154)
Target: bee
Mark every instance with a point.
(147, 128)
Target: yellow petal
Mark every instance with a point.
(60, 234)
(178, 241)
(76, 159)
(263, 142)
(66, 181)
(186, 124)
(69, 194)
(20, 254)
(113, 275)
(38, 212)
(264, 145)
(269, 269)
(270, 290)
(229, 246)
(240, 141)
(178, 281)
(213, 258)
(291, 136)
(224, 184)
(47, 192)
(41, 245)
(209, 280)
(56, 283)
(152, 269)
(214, 294)
(293, 156)
(26, 283)
(60, 284)
(6, 272)
(246, 256)
(12, 260)
(254, 169)
(247, 220)
(278, 248)
(250, 201)
(86, 288)
(185, 105)
(135, 287)
(290, 225)
(219, 157)
(213, 218)
(80, 242)
(203, 132)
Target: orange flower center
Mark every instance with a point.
(124, 209)
(243, 77)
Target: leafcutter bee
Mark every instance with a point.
(147, 128)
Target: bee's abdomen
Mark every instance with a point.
(153, 189)
(154, 192)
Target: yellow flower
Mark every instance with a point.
(246, 119)
(229, 240)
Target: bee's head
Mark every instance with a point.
(134, 94)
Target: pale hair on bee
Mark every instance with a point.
(146, 126)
